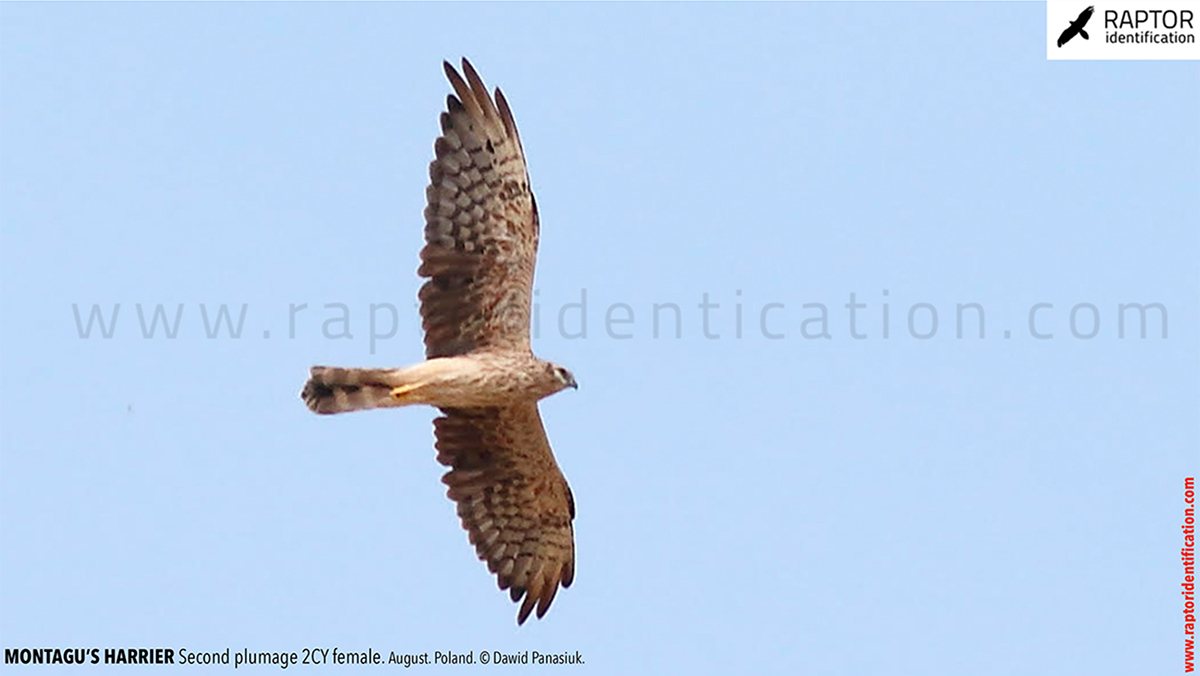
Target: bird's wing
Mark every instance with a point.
(512, 498)
(481, 227)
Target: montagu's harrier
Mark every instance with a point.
(481, 237)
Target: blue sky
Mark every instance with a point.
(804, 505)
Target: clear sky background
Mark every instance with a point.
(810, 505)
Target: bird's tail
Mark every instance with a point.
(1083, 34)
(337, 390)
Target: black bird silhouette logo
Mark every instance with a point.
(1076, 27)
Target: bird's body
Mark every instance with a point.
(481, 237)
(475, 380)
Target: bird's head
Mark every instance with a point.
(561, 377)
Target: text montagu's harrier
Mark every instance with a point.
(481, 238)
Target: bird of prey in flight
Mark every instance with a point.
(481, 238)
(1076, 27)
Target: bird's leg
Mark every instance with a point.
(404, 393)
(425, 383)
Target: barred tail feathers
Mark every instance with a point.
(338, 390)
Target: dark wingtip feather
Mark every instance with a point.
(547, 598)
(506, 116)
(469, 70)
(526, 608)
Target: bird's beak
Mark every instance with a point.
(573, 385)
